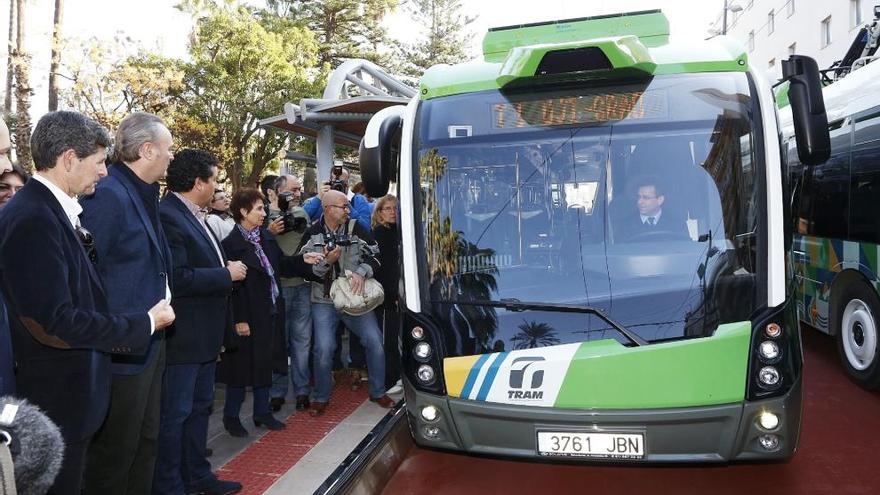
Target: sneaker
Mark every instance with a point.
(302, 402)
(384, 401)
(317, 408)
(395, 389)
(275, 403)
(269, 422)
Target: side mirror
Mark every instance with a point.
(376, 155)
(807, 109)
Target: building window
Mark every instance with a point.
(771, 63)
(790, 9)
(770, 22)
(855, 13)
(826, 32)
(792, 48)
(751, 41)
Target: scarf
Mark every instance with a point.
(253, 236)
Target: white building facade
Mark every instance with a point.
(772, 30)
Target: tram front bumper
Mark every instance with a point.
(718, 433)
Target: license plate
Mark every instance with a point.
(595, 445)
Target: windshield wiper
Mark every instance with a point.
(512, 304)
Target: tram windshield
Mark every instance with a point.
(637, 199)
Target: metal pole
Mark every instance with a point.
(324, 153)
(724, 19)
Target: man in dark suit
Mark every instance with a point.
(201, 284)
(7, 377)
(652, 222)
(134, 262)
(62, 328)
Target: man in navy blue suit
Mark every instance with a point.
(201, 282)
(62, 328)
(134, 262)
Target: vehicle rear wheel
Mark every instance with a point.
(857, 334)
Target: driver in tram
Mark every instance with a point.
(652, 222)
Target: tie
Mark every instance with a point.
(651, 220)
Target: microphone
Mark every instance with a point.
(37, 446)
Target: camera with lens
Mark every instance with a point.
(333, 239)
(292, 223)
(336, 183)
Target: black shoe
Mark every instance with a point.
(218, 487)
(270, 422)
(275, 403)
(302, 402)
(234, 427)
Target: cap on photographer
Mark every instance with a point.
(361, 208)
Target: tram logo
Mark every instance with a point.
(525, 373)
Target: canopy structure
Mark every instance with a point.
(356, 90)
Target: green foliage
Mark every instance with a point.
(344, 28)
(444, 39)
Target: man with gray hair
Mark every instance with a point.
(134, 263)
(63, 330)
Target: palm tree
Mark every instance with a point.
(23, 93)
(534, 334)
(10, 66)
(56, 56)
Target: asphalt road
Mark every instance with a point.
(839, 453)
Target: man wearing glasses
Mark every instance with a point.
(652, 223)
(62, 329)
(345, 249)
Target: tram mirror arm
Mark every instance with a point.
(807, 109)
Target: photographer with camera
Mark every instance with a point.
(349, 253)
(297, 319)
(361, 208)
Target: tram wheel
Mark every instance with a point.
(857, 334)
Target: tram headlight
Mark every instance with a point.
(422, 350)
(429, 413)
(769, 442)
(431, 432)
(768, 420)
(768, 376)
(773, 330)
(769, 350)
(425, 373)
(418, 333)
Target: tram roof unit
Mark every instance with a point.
(618, 46)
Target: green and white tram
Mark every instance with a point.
(594, 254)
(837, 224)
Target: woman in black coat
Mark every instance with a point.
(256, 308)
(384, 223)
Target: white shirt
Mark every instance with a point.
(69, 204)
(655, 217)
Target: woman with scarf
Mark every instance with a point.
(257, 311)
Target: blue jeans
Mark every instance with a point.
(365, 327)
(298, 326)
(187, 395)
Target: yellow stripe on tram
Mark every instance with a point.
(456, 371)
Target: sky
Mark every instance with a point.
(156, 24)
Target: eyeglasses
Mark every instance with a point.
(388, 208)
(344, 207)
(641, 196)
(88, 243)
